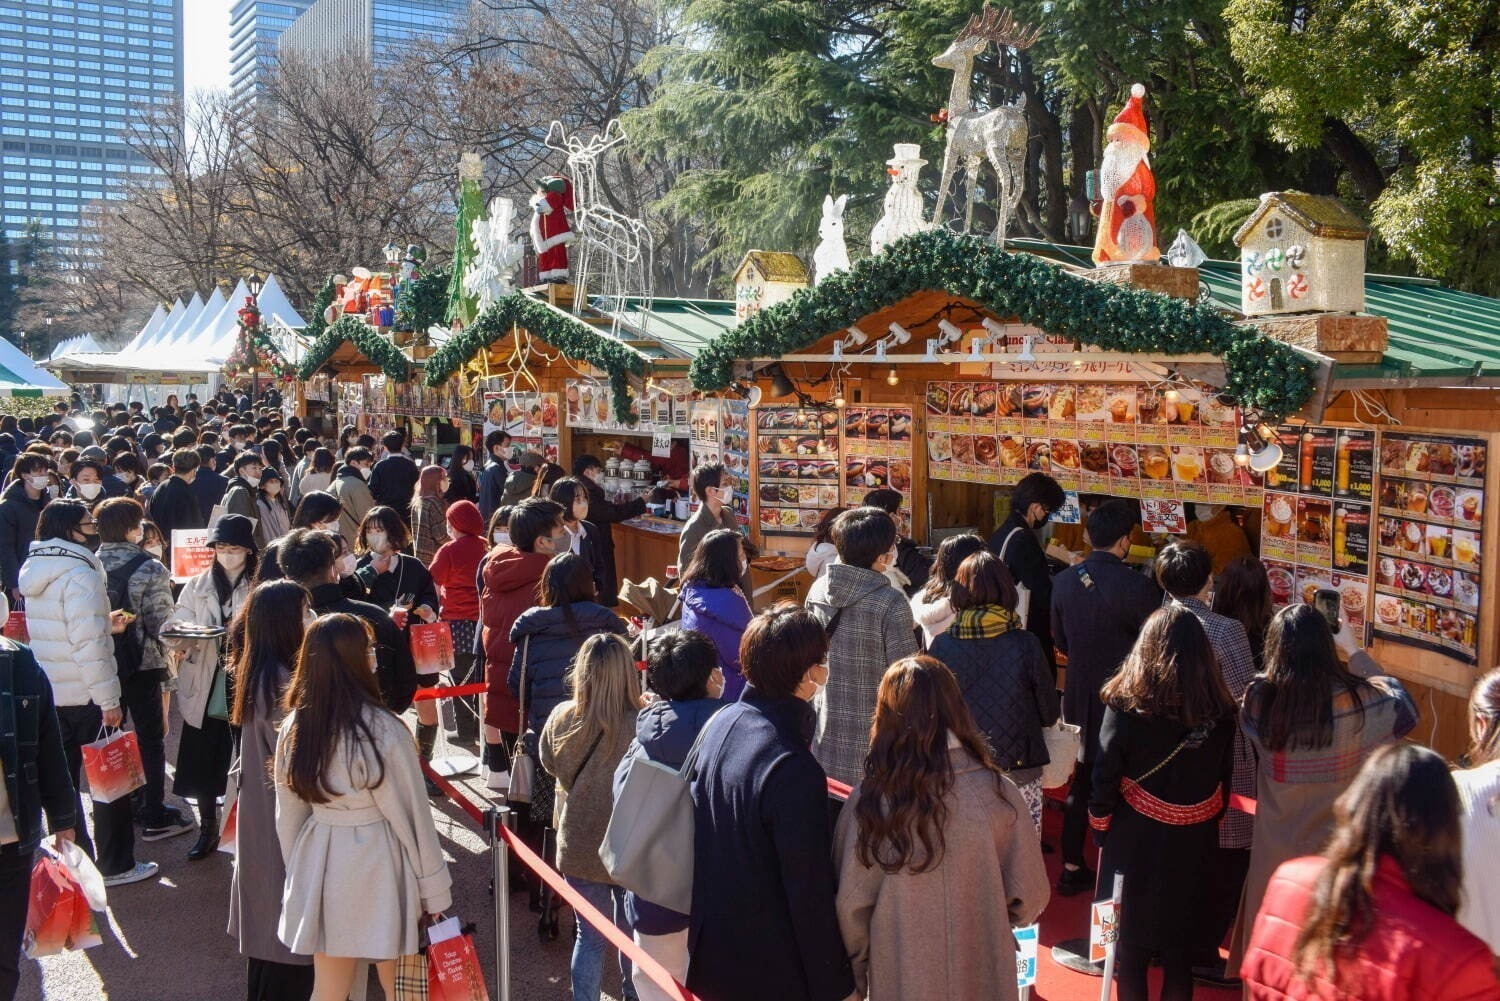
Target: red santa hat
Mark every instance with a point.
(1130, 123)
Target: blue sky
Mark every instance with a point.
(205, 34)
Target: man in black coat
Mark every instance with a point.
(394, 478)
(174, 505)
(208, 486)
(1098, 609)
(492, 480)
(307, 557)
(1015, 542)
(20, 507)
(603, 513)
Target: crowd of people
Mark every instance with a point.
(927, 682)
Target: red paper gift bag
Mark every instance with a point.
(113, 766)
(15, 626)
(432, 647)
(453, 965)
(58, 915)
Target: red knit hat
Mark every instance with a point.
(464, 518)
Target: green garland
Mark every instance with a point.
(366, 338)
(574, 338)
(423, 302)
(1260, 373)
(316, 325)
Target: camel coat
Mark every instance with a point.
(363, 868)
(945, 934)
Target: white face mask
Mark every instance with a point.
(376, 541)
(39, 483)
(744, 568)
(364, 471)
(346, 564)
(154, 551)
(88, 491)
(231, 562)
(135, 537)
(254, 481)
(469, 466)
(726, 494)
(128, 477)
(328, 526)
(502, 537)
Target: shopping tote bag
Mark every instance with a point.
(66, 889)
(113, 766)
(453, 965)
(432, 647)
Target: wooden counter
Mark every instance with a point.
(641, 553)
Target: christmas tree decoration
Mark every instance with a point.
(574, 338)
(470, 207)
(903, 202)
(366, 339)
(423, 301)
(1260, 373)
(832, 254)
(496, 255)
(321, 306)
(998, 134)
(254, 351)
(1127, 189)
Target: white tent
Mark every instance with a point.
(274, 305)
(83, 344)
(154, 325)
(184, 338)
(19, 375)
(180, 321)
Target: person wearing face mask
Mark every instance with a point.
(496, 471)
(211, 598)
(461, 482)
(241, 496)
(713, 486)
(174, 505)
(583, 538)
(393, 480)
(113, 485)
(870, 627)
(1015, 542)
(522, 479)
(353, 493)
(1217, 531)
(88, 482)
(429, 529)
(72, 629)
(714, 605)
(272, 513)
(455, 571)
(127, 467)
(763, 922)
(603, 513)
(139, 584)
(311, 558)
(20, 506)
(318, 509)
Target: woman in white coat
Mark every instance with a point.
(211, 599)
(1479, 802)
(363, 862)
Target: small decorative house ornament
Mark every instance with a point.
(903, 202)
(1301, 253)
(1127, 189)
(764, 278)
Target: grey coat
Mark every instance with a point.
(873, 631)
(149, 596)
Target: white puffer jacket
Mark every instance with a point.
(67, 614)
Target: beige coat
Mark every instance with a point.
(945, 934)
(585, 774)
(363, 868)
(199, 605)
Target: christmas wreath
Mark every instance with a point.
(1260, 373)
(574, 338)
(364, 337)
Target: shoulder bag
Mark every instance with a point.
(1023, 593)
(522, 767)
(648, 846)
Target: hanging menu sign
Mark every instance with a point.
(797, 457)
(877, 453)
(531, 420)
(720, 432)
(1429, 542)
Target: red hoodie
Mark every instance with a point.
(510, 580)
(455, 568)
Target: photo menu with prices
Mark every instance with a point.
(798, 469)
(719, 431)
(1316, 517)
(877, 453)
(1429, 542)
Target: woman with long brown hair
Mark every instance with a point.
(1372, 917)
(270, 628)
(1243, 592)
(363, 862)
(1479, 805)
(934, 832)
(932, 606)
(1160, 785)
(429, 530)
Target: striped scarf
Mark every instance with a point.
(983, 623)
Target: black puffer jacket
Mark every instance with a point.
(1009, 690)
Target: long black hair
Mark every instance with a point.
(716, 561)
(567, 578)
(1292, 702)
(270, 628)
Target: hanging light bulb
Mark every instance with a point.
(1172, 395)
(893, 379)
(1242, 455)
(838, 397)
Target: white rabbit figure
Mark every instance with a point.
(832, 254)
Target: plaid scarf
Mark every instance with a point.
(983, 623)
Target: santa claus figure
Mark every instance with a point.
(552, 227)
(1127, 188)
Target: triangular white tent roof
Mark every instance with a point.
(181, 321)
(274, 305)
(184, 339)
(153, 325)
(19, 375)
(83, 344)
(220, 336)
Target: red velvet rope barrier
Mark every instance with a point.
(839, 790)
(449, 691)
(582, 909)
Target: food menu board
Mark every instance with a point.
(877, 453)
(531, 420)
(665, 407)
(1429, 541)
(798, 471)
(1316, 517)
(1117, 438)
(719, 431)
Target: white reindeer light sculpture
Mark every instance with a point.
(998, 134)
(615, 255)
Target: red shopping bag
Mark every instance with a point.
(15, 625)
(432, 647)
(453, 972)
(113, 766)
(58, 915)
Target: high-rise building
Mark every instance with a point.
(254, 28)
(379, 29)
(71, 74)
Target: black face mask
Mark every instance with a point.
(90, 542)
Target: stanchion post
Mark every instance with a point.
(496, 818)
(1109, 949)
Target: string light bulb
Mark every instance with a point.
(1172, 395)
(893, 379)
(1241, 456)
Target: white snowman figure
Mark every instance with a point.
(903, 202)
(832, 254)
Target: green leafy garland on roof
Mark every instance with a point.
(366, 339)
(1261, 373)
(574, 338)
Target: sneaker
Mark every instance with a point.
(142, 871)
(497, 781)
(1075, 881)
(168, 825)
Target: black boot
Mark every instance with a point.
(208, 830)
(468, 721)
(426, 739)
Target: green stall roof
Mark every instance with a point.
(683, 327)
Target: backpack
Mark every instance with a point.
(130, 649)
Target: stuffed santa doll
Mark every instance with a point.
(552, 227)
(1127, 189)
